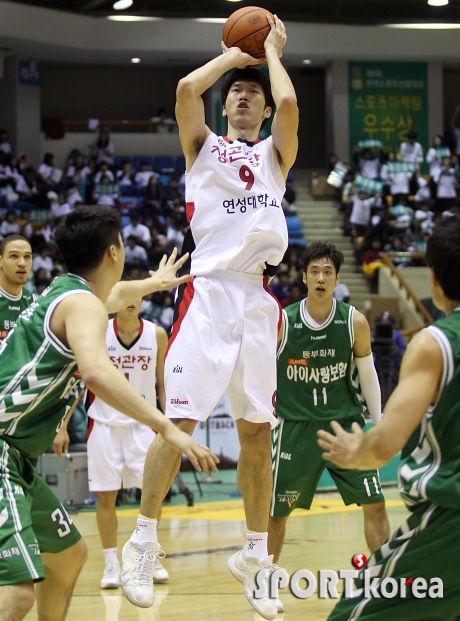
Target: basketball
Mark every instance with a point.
(247, 29)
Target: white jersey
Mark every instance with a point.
(137, 363)
(233, 195)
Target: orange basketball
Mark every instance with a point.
(247, 29)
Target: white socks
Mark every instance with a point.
(146, 530)
(110, 555)
(256, 544)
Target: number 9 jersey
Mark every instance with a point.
(233, 195)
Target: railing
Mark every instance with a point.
(146, 126)
(428, 319)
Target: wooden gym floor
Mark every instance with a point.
(198, 540)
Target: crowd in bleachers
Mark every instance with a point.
(147, 191)
(388, 205)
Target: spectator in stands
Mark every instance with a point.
(28, 190)
(281, 286)
(73, 196)
(368, 164)
(80, 173)
(361, 212)
(390, 156)
(142, 177)
(48, 175)
(434, 159)
(395, 247)
(137, 230)
(413, 235)
(296, 294)
(403, 213)
(10, 225)
(5, 146)
(167, 315)
(125, 176)
(454, 127)
(288, 202)
(399, 345)
(174, 233)
(410, 149)
(341, 292)
(103, 149)
(151, 194)
(59, 206)
(372, 262)
(164, 124)
(43, 261)
(25, 225)
(103, 171)
(423, 211)
(104, 193)
(157, 247)
(11, 169)
(447, 182)
(170, 193)
(400, 182)
(134, 252)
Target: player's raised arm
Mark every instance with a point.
(286, 120)
(125, 292)
(417, 389)
(189, 103)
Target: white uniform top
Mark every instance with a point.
(137, 363)
(233, 195)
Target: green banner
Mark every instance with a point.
(386, 100)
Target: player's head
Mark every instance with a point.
(86, 235)
(251, 75)
(443, 257)
(321, 265)
(15, 261)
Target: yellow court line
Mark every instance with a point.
(232, 510)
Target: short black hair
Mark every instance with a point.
(248, 74)
(84, 235)
(11, 238)
(322, 250)
(443, 255)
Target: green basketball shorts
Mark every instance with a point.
(414, 576)
(297, 467)
(32, 520)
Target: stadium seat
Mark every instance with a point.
(295, 232)
(164, 164)
(180, 164)
(138, 159)
(118, 160)
(130, 190)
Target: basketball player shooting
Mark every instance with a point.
(224, 336)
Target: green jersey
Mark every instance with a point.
(317, 376)
(430, 462)
(37, 372)
(11, 306)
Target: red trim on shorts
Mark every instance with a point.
(184, 305)
(280, 318)
(189, 211)
(90, 423)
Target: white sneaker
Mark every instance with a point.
(111, 577)
(138, 563)
(279, 605)
(245, 568)
(160, 574)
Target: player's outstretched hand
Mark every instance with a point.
(61, 443)
(242, 59)
(341, 447)
(201, 457)
(165, 276)
(277, 36)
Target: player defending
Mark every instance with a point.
(15, 266)
(117, 444)
(324, 356)
(64, 329)
(224, 337)
(421, 418)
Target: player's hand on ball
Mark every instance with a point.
(341, 447)
(242, 59)
(165, 276)
(277, 37)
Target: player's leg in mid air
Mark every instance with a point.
(142, 550)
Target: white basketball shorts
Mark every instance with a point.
(116, 455)
(224, 339)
